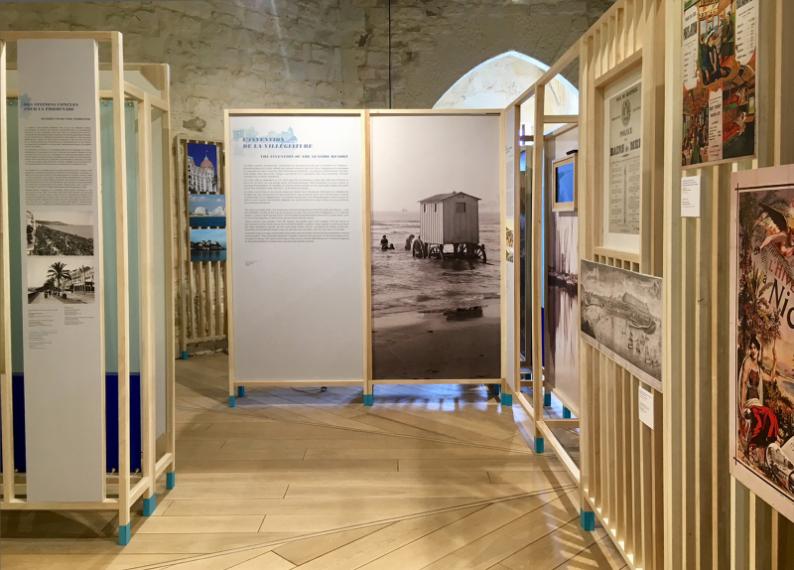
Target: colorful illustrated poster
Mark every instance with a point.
(59, 190)
(763, 335)
(624, 182)
(719, 51)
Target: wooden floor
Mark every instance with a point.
(430, 477)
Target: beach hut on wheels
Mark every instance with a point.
(451, 220)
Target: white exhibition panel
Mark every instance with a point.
(63, 351)
(296, 251)
(159, 268)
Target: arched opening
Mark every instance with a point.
(496, 82)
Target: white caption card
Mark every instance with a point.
(645, 401)
(690, 196)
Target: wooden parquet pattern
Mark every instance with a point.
(431, 477)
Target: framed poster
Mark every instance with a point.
(621, 315)
(762, 335)
(622, 157)
(719, 53)
(563, 197)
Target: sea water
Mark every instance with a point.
(401, 283)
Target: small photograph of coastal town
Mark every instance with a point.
(436, 251)
(207, 210)
(60, 280)
(622, 312)
(59, 232)
(201, 168)
(207, 245)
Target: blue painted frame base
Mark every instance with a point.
(540, 445)
(149, 505)
(587, 520)
(566, 413)
(232, 401)
(241, 391)
(506, 399)
(170, 480)
(369, 399)
(184, 355)
(125, 534)
(547, 399)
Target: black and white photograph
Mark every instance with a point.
(57, 281)
(622, 312)
(435, 248)
(59, 232)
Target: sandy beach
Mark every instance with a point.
(438, 345)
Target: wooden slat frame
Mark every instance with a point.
(126, 487)
(534, 408)
(202, 285)
(618, 453)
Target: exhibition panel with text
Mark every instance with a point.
(556, 331)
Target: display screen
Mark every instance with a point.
(563, 188)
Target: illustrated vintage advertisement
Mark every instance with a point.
(621, 314)
(719, 52)
(624, 182)
(763, 334)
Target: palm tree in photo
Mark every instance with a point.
(58, 273)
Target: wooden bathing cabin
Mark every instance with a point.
(450, 219)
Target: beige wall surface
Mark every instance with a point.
(313, 53)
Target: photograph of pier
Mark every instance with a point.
(622, 312)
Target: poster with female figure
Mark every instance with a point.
(763, 342)
(719, 54)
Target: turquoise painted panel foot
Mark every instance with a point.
(170, 480)
(587, 520)
(566, 413)
(540, 445)
(547, 399)
(184, 355)
(506, 399)
(125, 534)
(369, 399)
(232, 402)
(241, 391)
(149, 505)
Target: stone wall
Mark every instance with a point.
(313, 53)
